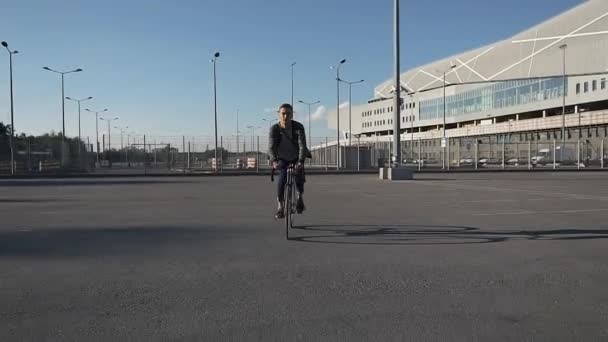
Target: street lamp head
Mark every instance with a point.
(301, 101)
(294, 63)
(89, 98)
(78, 70)
(216, 55)
(4, 44)
(47, 68)
(563, 46)
(15, 52)
(68, 98)
(343, 61)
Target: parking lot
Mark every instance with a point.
(479, 256)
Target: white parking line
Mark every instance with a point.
(486, 201)
(541, 212)
(531, 192)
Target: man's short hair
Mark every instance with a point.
(286, 106)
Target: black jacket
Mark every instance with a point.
(298, 138)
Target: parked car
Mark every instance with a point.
(466, 161)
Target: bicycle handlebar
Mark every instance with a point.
(291, 166)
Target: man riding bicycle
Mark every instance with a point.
(287, 146)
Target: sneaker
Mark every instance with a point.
(279, 215)
(300, 205)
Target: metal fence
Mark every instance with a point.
(191, 154)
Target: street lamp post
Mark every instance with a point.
(411, 95)
(109, 131)
(337, 68)
(563, 47)
(269, 122)
(62, 73)
(97, 128)
(79, 136)
(12, 136)
(309, 119)
(292, 65)
(350, 85)
(214, 60)
(444, 142)
(109, 140)
(237, 131)
(122, 130)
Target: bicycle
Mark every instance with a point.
(290, 198)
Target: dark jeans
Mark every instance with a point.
(299, 178)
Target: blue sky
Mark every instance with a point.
(148, 61)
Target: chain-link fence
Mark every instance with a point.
(577, 149)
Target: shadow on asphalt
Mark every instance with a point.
(97, 182)
(102, 241)
(433, 235)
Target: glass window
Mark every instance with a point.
(603, 83)
(586, 87)
(594, 85)
(578, 88)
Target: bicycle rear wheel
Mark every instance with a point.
(287, 209)
(292, 212)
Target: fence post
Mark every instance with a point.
(221, 154)
(29, 155)
(554, 161)
(326, 166)
(459, 155)
(602, 156)
(189, 155)
(145, 166)
(257, 158)
(184, 152)
(359, 153)
(503, 152)
(476, 153)
(419, 154)
(578, 153)
(529, 155)
(169, 156)
(448, 153)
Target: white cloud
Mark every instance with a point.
(319, 113)
(344, 105)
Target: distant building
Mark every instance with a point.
(513, 86)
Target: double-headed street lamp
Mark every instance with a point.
(108, 120)
(96, 112)
(214, 60)
(350, 85)
(253, 128)
(292, 65)
(82, 100)
(62, 73)
(443, 141)
(337, 68)
(309, 120)
(12, 136)
(269, 122)
(122, 131)
(563, 47)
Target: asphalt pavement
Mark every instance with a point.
(460, 257)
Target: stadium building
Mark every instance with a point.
(515, 90)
